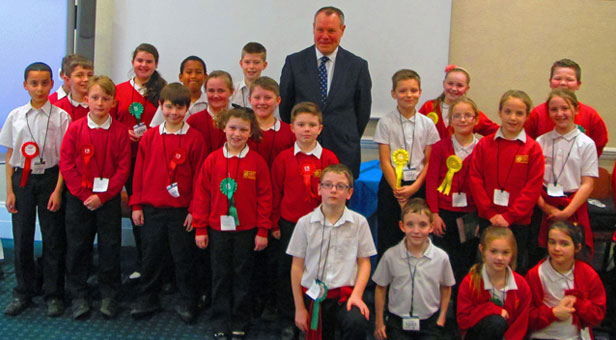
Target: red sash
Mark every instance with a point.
(342, 294)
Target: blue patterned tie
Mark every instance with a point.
(323, 77)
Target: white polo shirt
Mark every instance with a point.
(329, 251)
(27, 124)
(501, 294)
(412, 134)
(574, 154)
(198, 106)
(432, 270)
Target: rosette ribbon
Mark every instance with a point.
(401, 158)
(136, 109)
(454, 164)
(228, 187)
(432, 115)
(29, 150)
(179, 157)
(86, 153)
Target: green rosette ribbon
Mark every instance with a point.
(314, 321)
(228, 187)
(136, 109)
(454, 164)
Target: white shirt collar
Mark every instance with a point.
(139, 89)
(182, 131)
(275, 127)
(202, 99)
(104, 126)
(428, 252)
(521, 136)
(331, 56)
(487, 285)
(317, 151)
(46, 108)
(318, 217)
(458, 146)
(553, 275)
(568, 136)
(242, 153)
(76, 103)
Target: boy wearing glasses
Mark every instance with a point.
(331, 249)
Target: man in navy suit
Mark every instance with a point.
(336, 80)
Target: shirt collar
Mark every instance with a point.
(404, 252)
(553, 275)
(275, 127)
(318, 217)
(317, 151)
(458, 146)
(182, 131)
(76, 103)
(202, 99)
(521, 136)
(139, 89)
(487, 285)
(104, 126)
(568, 136)
(331, 56)
(46, 108)
(242, 153)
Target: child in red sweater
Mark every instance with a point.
(455, 85)
(95, 163)
(505, 193)
(167, 165)
(231, 210)
(77, 72)
(493, 300)
(568, 296)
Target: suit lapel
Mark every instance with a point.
(312, 78)
(340, 69)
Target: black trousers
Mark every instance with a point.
(136, 230)
(334, 315)
(521, 234)
(82, 225)
(232, 258)
(388, 214)
(30, 200)
(286, 308)
(492, 327)
(428, 329)
(163, 229)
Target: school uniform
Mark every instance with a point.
(213, 137)
(414, 135)
(241, 96)
(548, 287)
(111, 160)
(232, 255)
(414, 288)
(292, 199)
(568, 158)
(515, 167)
(59, 94)
(197, 106)
(478, 314)
(158, 167)
(484, 125)
(46, 127)
(539, 123)
(462, 255)
(330, 254)
(273, 141)
(75, 109)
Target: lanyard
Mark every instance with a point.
(170, 173)
(502, 188)
(554, 178)
(412, 271)
(321, 273)
(412, 138)
(101, 170)
(470, 156)
(273, 144)
(46, 130)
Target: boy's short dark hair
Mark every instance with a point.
(340, 169)
(568, 63)
(176, 93)
(192, 58)
(329, 10)
(254, 48)
(71, 61)
(37, 66)
(404, 74)
(416, 205)
(266, 83)
(306, 107)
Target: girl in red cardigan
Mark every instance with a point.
(568, 296)
(452, 208)
(455, 85)
(231, 211)
(493, 300)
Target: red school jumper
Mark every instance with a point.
(76, 112)
(589, 303)
(111, 158)
(437, 170)
(153, 168)
(292, 199)
(272, 142)
(539, 123)
(473, 307)
(510, 163)
(213, 137)
(253, 197)
(484, 127)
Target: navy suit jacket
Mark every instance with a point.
(346, 110)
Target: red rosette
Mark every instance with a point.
(179, 157)
(450, 67)
(29, 150)
(306, 171)
(86, 152)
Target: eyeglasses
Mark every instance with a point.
(460, 116)
(329, 186)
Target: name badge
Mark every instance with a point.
(410, 175)
(100, 184)
(173, 190)
(38, 168)
(459, 199)
(315, 290)
(555, 190)
(227, 223)
(501, 197)
(410, 323)
(139, 129)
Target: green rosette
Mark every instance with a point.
(228, 187)
(314, 321)
(136, 109)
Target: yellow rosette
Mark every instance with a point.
(454, 164)
(432, 115)
(400, 158)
